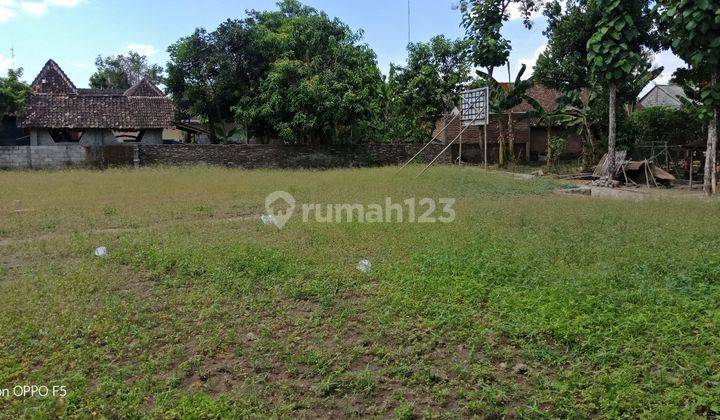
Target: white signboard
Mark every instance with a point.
(474, 106)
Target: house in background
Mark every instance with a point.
(56, 111)
(663, 95)
(531, 134)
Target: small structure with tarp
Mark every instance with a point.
(644, 172)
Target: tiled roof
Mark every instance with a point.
(544, 95)
(56, 103)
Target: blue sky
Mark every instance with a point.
(74, 32)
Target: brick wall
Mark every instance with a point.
(41, 157)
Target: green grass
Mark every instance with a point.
(202, 311)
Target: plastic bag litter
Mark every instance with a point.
(365, 266)
(267, 219)
(101, 252)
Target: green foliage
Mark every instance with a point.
(426, 87)
(293, 74)
(563, 65)
(555, 148)
(12, 92)
(483, 20)
(124, 71)
(322, 84)
(666, 124)
(209, 73)
(694, 32)
(613, 49)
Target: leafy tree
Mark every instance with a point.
(210, 72)
(666, 124)
(563, 65)
(430, 83)
(322, 84)
(124, 71)
(292, 73)
(615, 53)
(575, 112)
(693, 28)
(12, 92)
(483, 20)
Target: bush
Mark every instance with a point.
(665, 124)
(556, 147)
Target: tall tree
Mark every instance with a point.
(483, 20)
(615, 52)
(322, 84)
(694, 30)
(210, 72)
(563, 65)
(12, 92)
(428, 85)
(123, 71)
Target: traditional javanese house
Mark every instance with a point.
(57, 112)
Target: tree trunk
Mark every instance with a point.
(549, 150)
(612, 124)
(710, 186)
(511, 137)
(501, 143)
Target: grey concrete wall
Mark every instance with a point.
(40, 137)
(152, 137)
(41, 157)
(98, 137)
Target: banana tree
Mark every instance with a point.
(574, 113)
(502, 101)
(635, 86)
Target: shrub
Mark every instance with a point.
(665, 124)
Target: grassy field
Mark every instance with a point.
(529, 304)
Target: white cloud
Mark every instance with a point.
(63, 3)
(35, 8)
(530, 61)
(6, 14)
(10, 9)
(142, 49)
(5, 65)
(514, 10)
(670, 62)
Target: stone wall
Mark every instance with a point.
(242, 156)
(41, 157)
(280, 156)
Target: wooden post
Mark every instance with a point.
(460, 151)
(485, 140)
(692, 163)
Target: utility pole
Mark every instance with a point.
(12, 57)
(408, 22)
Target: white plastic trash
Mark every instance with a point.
(365, 266)
(267, 219)
(101, 252)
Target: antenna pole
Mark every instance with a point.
(408, 22)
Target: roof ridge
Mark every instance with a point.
(52, 65)
(148, 84)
